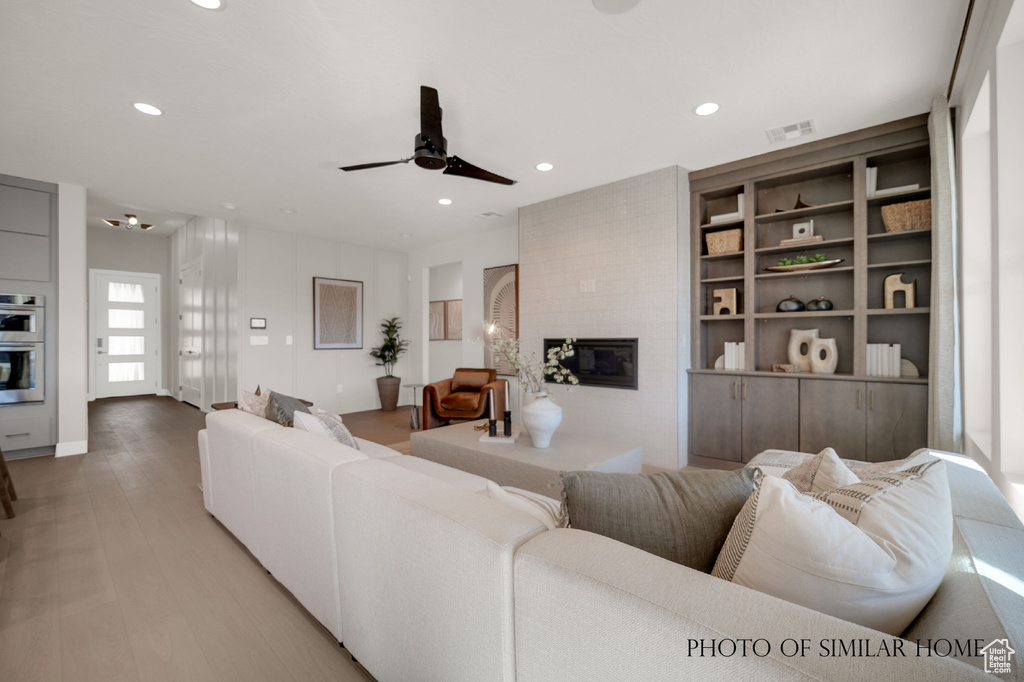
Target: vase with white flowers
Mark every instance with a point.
(541, 416)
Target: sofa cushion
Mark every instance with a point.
(281, 408)
(540, 507)
(326, 424)
(470, 379)
(872, 553)
(825, 471)
(462, 402)
(682, 516)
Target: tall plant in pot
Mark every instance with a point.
(386, 355)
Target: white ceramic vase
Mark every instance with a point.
(824, 356)
(541, 417)
(799, 340)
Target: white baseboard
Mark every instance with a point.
(75, 447)
(164, 391)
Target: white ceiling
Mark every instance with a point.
(263, 99)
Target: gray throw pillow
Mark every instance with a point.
(682, 516)
(281, 407)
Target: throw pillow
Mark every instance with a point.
(824, 471)
(326, 424)
(872, 553)
(542, 508)
(253, 403)
(281, 408)
(682, 516)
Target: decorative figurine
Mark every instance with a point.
(895, 283)
(726, 303)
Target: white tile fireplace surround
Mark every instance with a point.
(623, 239)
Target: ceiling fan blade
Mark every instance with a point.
(364, 166)
(430, 116)
(146, 227)
(112, 223)
(457, 166)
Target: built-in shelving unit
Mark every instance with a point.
(829, 182)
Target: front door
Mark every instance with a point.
(125, 348)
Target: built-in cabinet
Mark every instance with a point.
(842, 184)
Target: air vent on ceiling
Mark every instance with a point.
(490, 215)
(791, 132)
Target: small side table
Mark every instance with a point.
(414, 417)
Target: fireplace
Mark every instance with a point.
(611, 363)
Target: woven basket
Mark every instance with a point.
(912, 215)
(726, 241)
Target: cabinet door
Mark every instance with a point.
(832, 415)
(715, 416)
(771, 415)
(897, 420)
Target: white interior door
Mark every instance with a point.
(190, 341)
(125, 349)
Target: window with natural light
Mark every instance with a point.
(126, 371)
(123, 292)
(126, 319)
(127, 345)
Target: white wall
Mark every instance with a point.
(627, 237)
(445, 355)
(492, 247)
(73, 324)
(277, 271)
(137, 251)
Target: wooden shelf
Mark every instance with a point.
(809, 375)
(721, 318)
(909, 195)
(724, 223)
(810, 246)
(899, 311)
(804, 313)
(900, 264)
(722, 280)
(795, 214)
(803, 273)
(722, 256)
(906, 234)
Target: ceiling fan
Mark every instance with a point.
(128, 224)
(431, 146)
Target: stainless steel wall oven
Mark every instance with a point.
(22, 349)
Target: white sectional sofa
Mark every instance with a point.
(423, 578)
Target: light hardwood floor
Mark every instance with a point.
(113, 570)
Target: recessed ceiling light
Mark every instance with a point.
(405, 235)
(705, 109)
(544, 166)
(445, 202)
(286, 210)
(230, 207)
(147, 108)
(207, 4)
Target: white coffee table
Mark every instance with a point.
(520, 464)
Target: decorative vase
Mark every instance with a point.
(388, 388)
(541, 417)
(800, 348)
(824, 356)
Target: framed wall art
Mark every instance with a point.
(337, 313)
(437, 320)
(453, 320)
(501, 309)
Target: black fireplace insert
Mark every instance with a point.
(601, 362)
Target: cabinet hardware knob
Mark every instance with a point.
(858, 398)
(735, 391)
(15, 435)
(744, 396)
(871, 401)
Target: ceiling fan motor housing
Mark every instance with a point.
(427, 155)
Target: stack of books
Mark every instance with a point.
(872, 185)
(735, 352)
(726, 217)
(884, 359)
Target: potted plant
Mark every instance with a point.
(387, 355)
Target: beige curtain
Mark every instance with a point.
(945, 411)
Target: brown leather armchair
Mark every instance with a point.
(465, 396)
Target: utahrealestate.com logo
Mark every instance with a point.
(998, 657)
